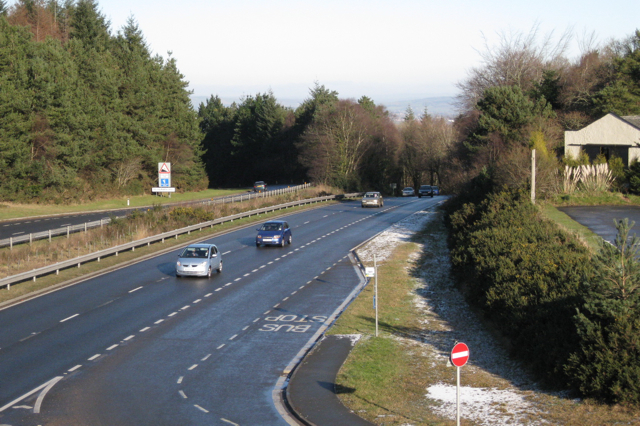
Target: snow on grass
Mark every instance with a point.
(385, 242)
(499, 390)
(484, 406)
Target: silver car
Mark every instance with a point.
(372, 199)
(408, 192)
(199, 260)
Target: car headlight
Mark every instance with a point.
(178, 264)
(259, 237)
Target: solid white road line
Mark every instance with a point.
(67, 319)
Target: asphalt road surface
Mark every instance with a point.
(139, 346)
(600, 219)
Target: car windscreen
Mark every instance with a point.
(195, 252)
(370, 195)
(271, 227)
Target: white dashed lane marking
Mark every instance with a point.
(68, 318)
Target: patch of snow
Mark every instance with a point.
(353, 337)
(482, 405)
(385, 242)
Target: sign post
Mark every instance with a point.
(370, 272)
(375, 267)
(164, 179)
(459, 357)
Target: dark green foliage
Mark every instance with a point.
(523, 273)
(91, 116)
(607, 364)
(248, 142)
(506, 111)
(548, 89)
(633, 177)
(621, 95)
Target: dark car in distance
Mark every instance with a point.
(275, 233)
(425, 190)
(259, 186)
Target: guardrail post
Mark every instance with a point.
(49, 235)
(30, 238)
(85, 227)
(10, 243)
(68, 228)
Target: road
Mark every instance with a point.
(139, 346)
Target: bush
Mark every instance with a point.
(524, 273)
(633, 177)
(607, 364)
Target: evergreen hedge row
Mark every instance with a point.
(572, 316)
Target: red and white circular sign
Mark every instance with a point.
(459, 354)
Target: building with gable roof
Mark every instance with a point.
(610, 135)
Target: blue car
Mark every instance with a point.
(275, 232)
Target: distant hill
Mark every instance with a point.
(437, 106)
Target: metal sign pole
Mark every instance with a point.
(375, 266)
(457, 396)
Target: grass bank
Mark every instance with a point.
(402, 377)
(13, 210)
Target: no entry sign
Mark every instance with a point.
(459, 354)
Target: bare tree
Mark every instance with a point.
(336, 142)
(518, 59)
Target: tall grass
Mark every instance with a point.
(587, 178)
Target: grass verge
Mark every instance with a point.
(387, 379)
(593, 240)
(13, 210)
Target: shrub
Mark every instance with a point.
(633, 177)
(524, 273)
(607, 364)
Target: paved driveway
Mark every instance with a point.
(600, 218)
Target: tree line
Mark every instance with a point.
(348, 144)
(85, 113)
(572, 313)
(526, 92)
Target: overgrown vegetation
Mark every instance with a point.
(524, 273)
(548, 295)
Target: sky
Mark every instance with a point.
(384, 49)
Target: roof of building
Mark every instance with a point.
(632, 119)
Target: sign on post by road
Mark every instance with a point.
(164, 179)
(460, 354)
(459, 357)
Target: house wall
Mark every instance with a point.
(609, 130)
